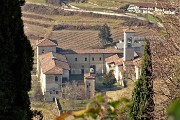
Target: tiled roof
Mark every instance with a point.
(91, 51)
(53, 63)
(89, 76)
(46, 42)
(117, 59)
(55, 71)
(129, 30)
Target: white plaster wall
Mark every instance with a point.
(52, 86)
(107, 68)
(116, 72)
(137, 72)
(121, 82)
(43, 83)
(51, 83)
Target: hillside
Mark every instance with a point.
(71, 28)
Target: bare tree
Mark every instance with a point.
(72, 90)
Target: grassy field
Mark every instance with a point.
(73, 104)
(36, 1)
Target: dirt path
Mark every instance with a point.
(75, 9)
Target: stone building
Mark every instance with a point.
(55, 66)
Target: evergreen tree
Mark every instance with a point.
(15, 63)
(105, 34)
(142, 96)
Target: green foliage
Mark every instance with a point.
(15, 63)
(142, 96)
(105, 35)
(174, 110)
(109, 79)
(100, 108)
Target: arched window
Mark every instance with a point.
(56, 78)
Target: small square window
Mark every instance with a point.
(57, 92)
(42, 50)
(85, 59)
(100, 58)
(75, 59)
(56, 78)
(92, 58)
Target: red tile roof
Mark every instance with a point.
(92, 51)
(53, 63)
(117, 59)
(89, 76)
(46, 42)
(129, 30)
(55, 71)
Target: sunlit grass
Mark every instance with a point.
(36, 1)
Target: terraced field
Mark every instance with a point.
(73, 39)
(38, 26)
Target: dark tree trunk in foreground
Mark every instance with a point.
(16, 60)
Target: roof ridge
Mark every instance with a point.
(52, 68)
(46, 39)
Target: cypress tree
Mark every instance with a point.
(105, 34)
(15, 63)
(142, 95)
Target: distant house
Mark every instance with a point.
(55, 66)
(152, 8)
(52, 68)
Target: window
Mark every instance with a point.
(89, 84)
(92, 58)
(56, 78)
(100, 58)
(75, 59)
(50, 92)
(57, 92)
(42, 50)
(85, 59)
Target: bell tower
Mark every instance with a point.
(129, 44)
